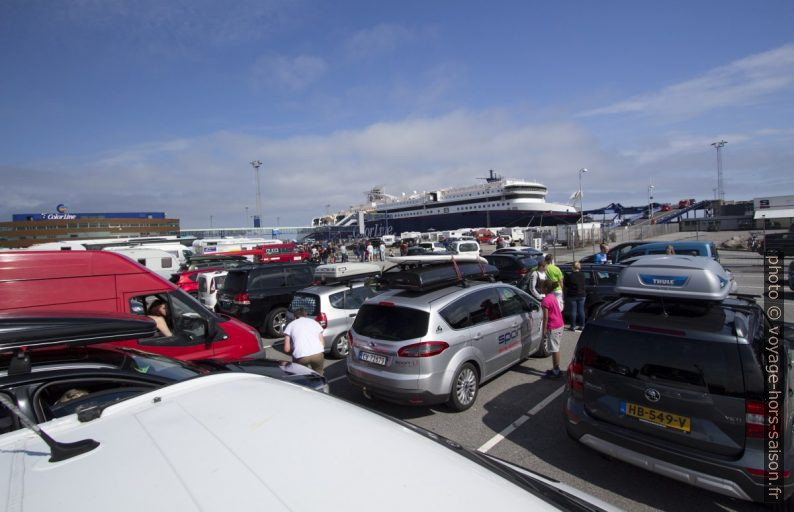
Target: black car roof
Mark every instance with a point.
(19, 330)
(611, 267)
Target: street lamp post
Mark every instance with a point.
(255, 164)
(581, 205)
(650, 198)
(720, 188)
(210, 221)
(245, 220)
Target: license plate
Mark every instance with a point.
(372, 358)
(655, 416)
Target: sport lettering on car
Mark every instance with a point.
(508, 340)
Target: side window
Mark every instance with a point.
(609, 278)
(509, 302)
(355, 297)
(166, 262)
(589, 280)
(476, 308)
(337, 300)
(269, 278)
(299, 276)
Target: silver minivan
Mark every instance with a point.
(438, 346)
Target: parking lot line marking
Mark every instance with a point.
(336, 379)
(520, 421)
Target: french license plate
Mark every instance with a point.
(372, 358)
(655, 416)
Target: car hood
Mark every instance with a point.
(240, 442)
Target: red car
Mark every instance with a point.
(104, 281)
(665, 207)
(188, 280)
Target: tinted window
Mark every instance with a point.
(475, 308)
(310, 303)
(509, 302)
(235, 282)
(202, 285)
(299, 276)
(668, 360)
(165, 262)
(500, 263)
(610, 278)
(391, 323)
(467, 247)
(269, 278)
(529, 262)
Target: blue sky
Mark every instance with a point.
(113, 105)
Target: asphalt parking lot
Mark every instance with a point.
(518, 417)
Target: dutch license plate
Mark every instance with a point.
(655, 416)
(372, 358)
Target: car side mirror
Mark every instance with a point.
(195, 325)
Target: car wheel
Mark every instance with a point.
(340, 346)
(465, 386)
(276, 321)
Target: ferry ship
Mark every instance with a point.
(499, 201)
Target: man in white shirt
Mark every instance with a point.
(303, 339)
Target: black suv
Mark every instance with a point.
(677, 387)
(512, 266)
(259, 295)
(599, 281)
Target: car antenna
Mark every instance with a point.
(58, 451)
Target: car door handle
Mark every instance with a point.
(477, 336)
(352, 315)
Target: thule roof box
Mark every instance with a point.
(676, 277)
(431, 276)
(340, 272)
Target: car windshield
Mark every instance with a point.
(159, 366)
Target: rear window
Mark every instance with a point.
(467, 247)
(309, 302)
(202, 285)
(529, 262)
(391, 323)
(667, 360)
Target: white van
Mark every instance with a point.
(217, 443)
(158, 261)
(180, 251)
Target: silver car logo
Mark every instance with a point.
(652, 395)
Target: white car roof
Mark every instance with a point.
(245, 442)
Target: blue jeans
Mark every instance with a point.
(576, 305)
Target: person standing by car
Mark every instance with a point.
(536, 281)
(601, 257)
(552, 327)
(575, 294)
(554, 273)
(303, 339)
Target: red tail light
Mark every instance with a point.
(766, 474)
(523, 271)
(576, 376)
(322, 320)
(756, 419)
(424, 349)
(350, 338)
(242, 299)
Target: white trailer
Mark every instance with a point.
(515, 234)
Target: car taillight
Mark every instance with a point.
(242, 299)
(523, 271)
(424, 349)
(576, 376)
(350, 338)
(322, 320)
(766, 474)
(755, 420)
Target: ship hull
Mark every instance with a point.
(378, 224)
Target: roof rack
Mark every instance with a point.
(430, 276)
(345, 272)
(676, 277)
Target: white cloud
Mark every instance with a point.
(742, 82)
(382, 38)
(193, 178)
(296, 73)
